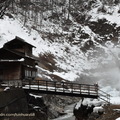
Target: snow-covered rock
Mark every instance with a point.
(98, 109)
(118, 118)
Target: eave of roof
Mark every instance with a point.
(20, 55)
(15, 60)
(21, 40)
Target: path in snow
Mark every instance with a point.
(69, 116)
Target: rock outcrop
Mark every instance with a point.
(88, 109)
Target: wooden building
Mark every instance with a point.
(16, 61)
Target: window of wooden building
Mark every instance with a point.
(30, 73)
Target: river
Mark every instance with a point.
(69, 116)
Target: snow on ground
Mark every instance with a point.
(98, 105)
(118, 118)
(69, 76)
(35, 96)
(7, 88)
(88, 102)
(78, 104)
(111, 14)
(98, 109)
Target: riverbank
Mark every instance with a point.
(69, 113)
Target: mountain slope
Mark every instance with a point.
(80, 45)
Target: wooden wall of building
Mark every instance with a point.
(28, 50)
(11, 71)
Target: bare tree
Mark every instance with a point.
(4, 4)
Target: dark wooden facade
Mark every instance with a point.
(16, 61)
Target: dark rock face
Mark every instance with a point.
(37, 106)
(83, 112)
(102, 27)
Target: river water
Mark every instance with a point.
(69, 116)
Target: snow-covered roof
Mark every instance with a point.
(18, 39)
(17, 60)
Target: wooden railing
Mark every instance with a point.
(104, 96)
(60, 88)
(63, 87)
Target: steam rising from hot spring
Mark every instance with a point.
(108, 73)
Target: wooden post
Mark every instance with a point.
(72, 87)
(21, 83)
(108, 98)
(18, 85)
(96, 89)
(38, 84)
(29, 84)
(63, 87)
(88, 90)
(8, 83)
(80, 88)
(14, 84)
(46, 85)
(55, 85)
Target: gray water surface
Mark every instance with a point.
(69, 116)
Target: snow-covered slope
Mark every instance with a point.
(72, 62)
(86, 53)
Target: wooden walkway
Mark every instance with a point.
(61, 88)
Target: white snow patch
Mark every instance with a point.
(118, 118)
(7, 88)
(78, 105)
(98, 109)
(116, 110)
(88, 102)
(36, 96)
(68, 76)
(36, 107)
